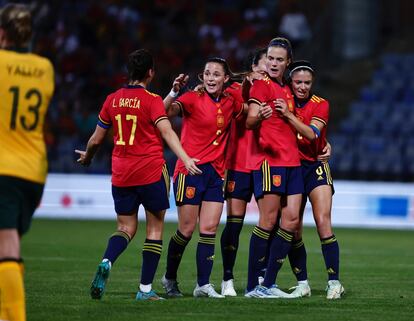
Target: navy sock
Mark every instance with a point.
(297, 259)
(229, 244)
(151, 253)
(257, 255)
(117, 243)
(205, 258)
(269, 245)
(280, 248)
(176, 249)
(330, 250)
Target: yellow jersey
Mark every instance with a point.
(26, 88)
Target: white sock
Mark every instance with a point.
(145, 287)
(303, 282)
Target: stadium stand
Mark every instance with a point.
(375, 140)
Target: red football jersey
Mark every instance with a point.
(137, 157)
(236, 152)
(275, 139)
(316, 108)
(205, 128)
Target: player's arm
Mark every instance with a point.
(171, 107)
(256, 113)
(96, 140)
(311, 131)
(171, 138)
(245, 108)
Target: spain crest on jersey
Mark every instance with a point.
(230, 186)
(277, 180)
(220, 120)
(190, 192)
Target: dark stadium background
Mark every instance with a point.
(362, 50)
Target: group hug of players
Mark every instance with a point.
(264, 136)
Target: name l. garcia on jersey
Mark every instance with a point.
(126, 102)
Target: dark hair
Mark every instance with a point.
(223, 63)
(259, 53)
(139, 62)
(283, 43)
(301, 65)
(227, 71)
(16, 20)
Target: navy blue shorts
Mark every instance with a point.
(193, 189)
(316, 174)
(277, 180)
(239, 185)
(154, 197)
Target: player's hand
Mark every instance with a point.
(265, 111)
(281, 106)
(82, 158)
(199, 88)
(326, 153)
(180, 82)
(191, 166)
(254, 75)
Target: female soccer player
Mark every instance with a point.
(239, 182)
(206, 116)
(26, 88)
(276, 170)
(311, 120)
(139, 173)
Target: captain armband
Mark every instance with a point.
(315, 130)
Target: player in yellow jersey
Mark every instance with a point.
(26, 87)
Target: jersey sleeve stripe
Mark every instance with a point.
(180, 104)
(254, 100)
(103, 124)
(240, 111)
(159, 119)
(320, 119)
(104, 121)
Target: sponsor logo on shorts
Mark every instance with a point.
(277, 180)
(190, 192)
(230, 186)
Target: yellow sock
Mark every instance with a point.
(21, 267)
(12, 302)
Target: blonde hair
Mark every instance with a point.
(16, 21)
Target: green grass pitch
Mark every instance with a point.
(377, 271)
